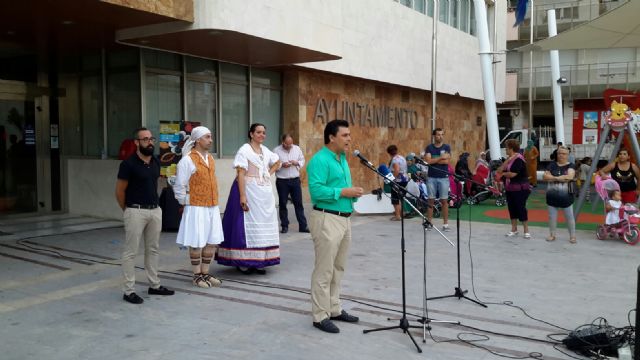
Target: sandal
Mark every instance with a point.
(572, 240)
(551, 238)
(511, 234)
(395, 218)
(199, 281)
(212, 281)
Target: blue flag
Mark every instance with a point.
(521, 11)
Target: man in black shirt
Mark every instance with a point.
(137, 195)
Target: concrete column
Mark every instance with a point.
(487, 78)
(554, 60)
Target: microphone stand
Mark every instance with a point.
(404, 322)
(458, 292)
(425, 320)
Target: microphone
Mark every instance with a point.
(363, 159)
(388, 175)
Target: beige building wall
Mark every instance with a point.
(178, 9)
(380, 115)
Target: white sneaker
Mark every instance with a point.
(511, 234)
(446, 228)
(527, 236)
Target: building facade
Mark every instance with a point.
(588, 72)
(76, 77)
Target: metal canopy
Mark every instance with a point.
(618, 28)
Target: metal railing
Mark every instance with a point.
(569, 14)
(583, 81)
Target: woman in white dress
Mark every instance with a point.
(250, 221)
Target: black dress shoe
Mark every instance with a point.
(327, 325)
(284, 230)
(132, 298)
(246, 271)
(304, 230)
(161, 291)
(344, 316)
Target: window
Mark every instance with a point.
(472, 22)
(419, 5)
(201, 106)
(123, 108)
(91, 114)
(443, 10)
(464, 15)
(201, 94)
(123, 98)
(161, 60)
(163, 100)
(266, 100)
(455, 16)
(234, 100)
(430, 8)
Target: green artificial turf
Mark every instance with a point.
(536, 201)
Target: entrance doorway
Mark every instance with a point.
(18, 165)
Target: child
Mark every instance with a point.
(613, 207)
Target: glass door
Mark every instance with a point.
(18, 169)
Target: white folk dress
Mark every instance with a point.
(261, 221)
(200, 225)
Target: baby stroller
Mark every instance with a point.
(418, 195)
(627, 228)
(482, 187)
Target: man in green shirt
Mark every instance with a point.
(332, 195)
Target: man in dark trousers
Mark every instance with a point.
(288, 182)
(137, 195)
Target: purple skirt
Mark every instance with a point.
(233, 250)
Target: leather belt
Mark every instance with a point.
(339, 213)
(138, 206)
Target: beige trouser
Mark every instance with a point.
(141, 224)
(331, 236)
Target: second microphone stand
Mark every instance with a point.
(404, 322)
(458, 292)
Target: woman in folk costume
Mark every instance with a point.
(196, 188)
(250, 220)
(531, 154)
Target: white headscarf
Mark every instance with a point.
(196, 134)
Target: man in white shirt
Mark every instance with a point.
(288, 182)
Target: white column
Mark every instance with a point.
(554, 60)
(487, 78)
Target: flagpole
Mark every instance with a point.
(531, 24)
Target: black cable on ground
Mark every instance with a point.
(620, 336)
(460, 336)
